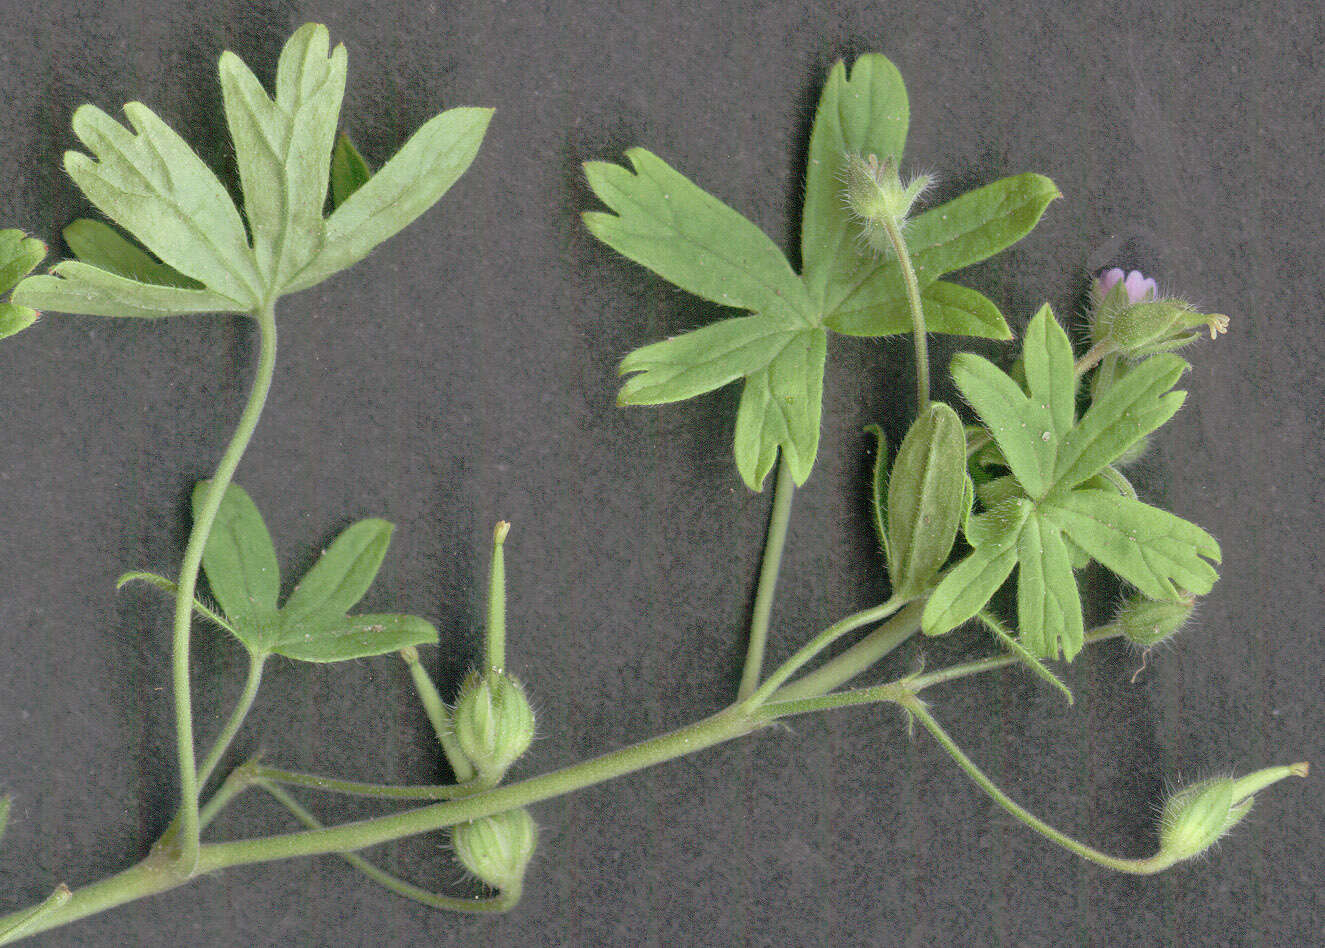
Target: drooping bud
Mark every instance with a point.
(1196, 817)
(493, 722)
(497, 848)
(874, 191)
(1148, 622)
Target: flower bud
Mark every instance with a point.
(874, 192)
(1148, 622)
(1136, 287)
(1146, 328)
(493, 722)
(1196, 817)
(497, 848)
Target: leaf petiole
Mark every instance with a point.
(783, 490)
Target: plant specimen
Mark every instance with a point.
(1032, 483)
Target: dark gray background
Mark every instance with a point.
(465, 374)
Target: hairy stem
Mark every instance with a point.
(237, 717)
(783, 490)
(817, 644)
(894, 232)
(502, 902)
(859, 658)
(188, 580)
(380, 791)
(1134, 866)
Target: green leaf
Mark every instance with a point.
(341, 575)
(970, 584)
(349, 171)
(963, 231)
(701, 360)
(1017, 424)
(1160, 554)
(283, 148)
(1010, 642)
(668, 224)
(780, 408)
(926, 498)
(879, 489)
(1048, 601)
(5, 804)
(102, 246)
(861, 113)
(14, 319)
(73, 287)
(948, 307)
(1134, 406)
(19, 256)
(1050, 373)
(241, 567)
(350, 637)
(411, 182)
(152, 184)
(171, 588)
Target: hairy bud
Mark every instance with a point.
(493, 722)
(1148, 622)
(1196, 817)
(497, 848)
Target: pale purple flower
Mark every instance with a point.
(1139, 287)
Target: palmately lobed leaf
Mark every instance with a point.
(341, 576)
(283, 148)
(150, 182)
(239, 559)
(347, 638)
(102, 246)
(780, 410)
(19, 256)
(665, 222)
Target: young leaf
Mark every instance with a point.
(970, 584)
(926, 497)
(1048, 601)
(102, 246)
(964, 231)
(15, 318)
(666, 223)
(349, 171)
(879, 489)
(152, 184)
(1135, 405)
(413, 180)
(340, 577)
(241, 567)
(332, 639)
(780, 408)
(74, 287)
(860, 113)
(1017, 424)
(1160, 554)
(283, 147)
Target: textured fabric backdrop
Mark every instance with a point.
(465, 373)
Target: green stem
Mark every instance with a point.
(1094, 354)
(919, 683)
(496, 656)
(381, 791)
(502, 902)
(783, 490)
(816, 645)
(898, 242)
(859, 658)
(188, 579)
(222, 744)
(1134, 866)
(440, 718)
(24, 925)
